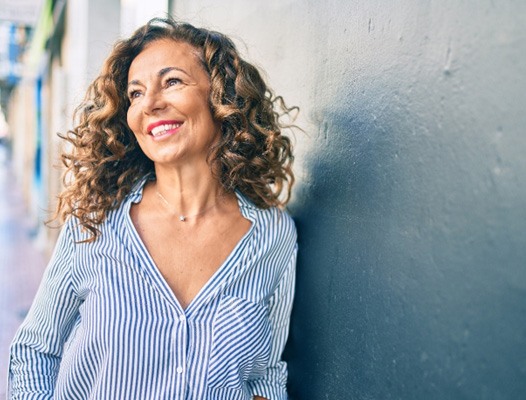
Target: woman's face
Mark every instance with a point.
(170, 113)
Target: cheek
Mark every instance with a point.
(131, 118)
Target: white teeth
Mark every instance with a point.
(159, 130)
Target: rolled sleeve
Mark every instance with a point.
(37, 347)
(273, 385)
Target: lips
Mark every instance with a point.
(161, 128)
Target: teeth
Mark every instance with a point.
(159, 130)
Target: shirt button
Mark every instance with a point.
(182, 318)
(179, 370)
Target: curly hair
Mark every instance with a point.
(105, 160)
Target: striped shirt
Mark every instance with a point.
(105, 325)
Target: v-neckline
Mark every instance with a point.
(221, 276)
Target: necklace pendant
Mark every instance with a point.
(182, 218)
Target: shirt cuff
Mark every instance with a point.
(267, 390)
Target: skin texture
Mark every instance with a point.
(168, 83)
(104, 160)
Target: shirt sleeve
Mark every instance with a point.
(37, 347)
(273, 385)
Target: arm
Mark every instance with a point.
(273, 385)
(37, 347)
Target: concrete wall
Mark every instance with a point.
(92, 26)
(412, 190)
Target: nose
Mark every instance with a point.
(153, 102)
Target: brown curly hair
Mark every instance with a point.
(105, 160)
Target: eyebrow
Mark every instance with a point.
(160, 74)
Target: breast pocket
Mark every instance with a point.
(241, 343)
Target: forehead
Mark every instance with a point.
(164, 53)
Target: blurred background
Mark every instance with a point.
(411, 193)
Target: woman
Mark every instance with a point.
(173, 276)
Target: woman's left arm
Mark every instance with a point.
(273, 384)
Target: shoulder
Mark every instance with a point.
(278, 224)
(273, 223)
(73, 231)
(274, 236)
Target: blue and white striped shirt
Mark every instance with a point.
(105, 325)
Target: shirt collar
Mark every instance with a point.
(135, 195)
(244, 201)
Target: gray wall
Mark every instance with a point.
(412, 188)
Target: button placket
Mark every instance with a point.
(181, 344)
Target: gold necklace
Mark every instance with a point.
(182, 217)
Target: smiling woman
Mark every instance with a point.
(168, 80)
(174, 274)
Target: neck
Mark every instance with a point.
(188, 191)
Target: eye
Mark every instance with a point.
(173, 82)
(134, 94)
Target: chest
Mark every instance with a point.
(188, 255)
(126, 311)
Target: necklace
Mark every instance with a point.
(182, 217)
